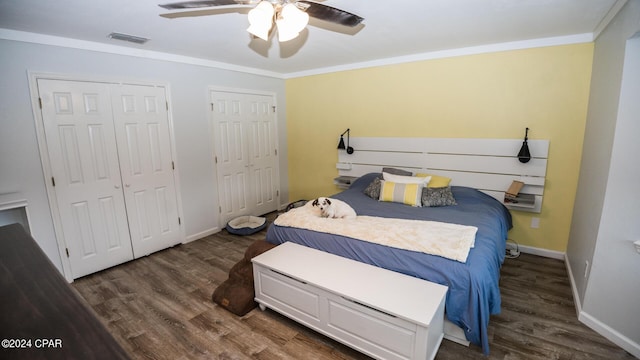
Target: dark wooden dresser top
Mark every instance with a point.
(42, 316)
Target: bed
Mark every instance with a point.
(474, 292)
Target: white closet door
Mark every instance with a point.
(263, 154)
(246, 153)
(144, 145)
(81, 145)
(232, 158)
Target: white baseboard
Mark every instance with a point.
(611, 334)
(596, 325)
(201, 234)
(541, 252)
(574, 288)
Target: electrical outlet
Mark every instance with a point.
(535, 222)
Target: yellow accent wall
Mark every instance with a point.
(493, 95)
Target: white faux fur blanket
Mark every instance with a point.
(451, 241)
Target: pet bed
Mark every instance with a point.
(246, 225)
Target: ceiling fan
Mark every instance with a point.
(289, 16)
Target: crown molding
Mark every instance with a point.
(474, 50)
(156, 55)
(615, 9)
(127, 51)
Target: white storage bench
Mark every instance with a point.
(381, 313)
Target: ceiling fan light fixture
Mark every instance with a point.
(290, 21)
(261, 20)
(285, 33)
(260, 31)
(289, 16)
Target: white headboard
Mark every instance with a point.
(489, 165)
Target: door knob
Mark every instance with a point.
(116, 186)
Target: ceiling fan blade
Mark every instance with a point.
(206, 12)
(328, 13)
(203, 3)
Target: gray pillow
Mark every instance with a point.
(373, 189)
(395, 171)
(440, 196)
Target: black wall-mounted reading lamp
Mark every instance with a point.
(524, 155)
(341, 143)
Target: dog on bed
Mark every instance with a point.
(334, 208)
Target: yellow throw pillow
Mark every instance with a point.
(437, 181)
(410, 194)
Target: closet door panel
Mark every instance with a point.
(232, 161)
(263, 160)
(81, 148)
(144, 146)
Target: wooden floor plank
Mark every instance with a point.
(159, 307)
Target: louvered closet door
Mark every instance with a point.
(246, 153)
(144, 145)
(78, 124)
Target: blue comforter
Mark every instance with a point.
(474, 292)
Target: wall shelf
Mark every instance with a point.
(344, 181)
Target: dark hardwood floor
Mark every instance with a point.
(159, 307)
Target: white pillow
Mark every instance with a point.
(406, 179)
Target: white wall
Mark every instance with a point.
(601, 258)
(20, 166)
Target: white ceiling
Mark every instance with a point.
(391, 29)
